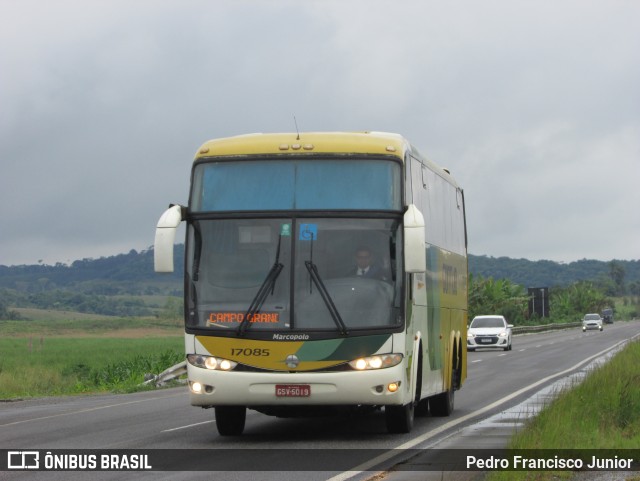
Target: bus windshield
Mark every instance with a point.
(276, 274)
(336, 184)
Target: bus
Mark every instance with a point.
(323, 272)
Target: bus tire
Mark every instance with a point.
(230, 420)
(422, 408)
(422, 405)
(442, 404)
(399, 418)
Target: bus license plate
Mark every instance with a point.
(293, 390)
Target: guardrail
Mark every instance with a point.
(545, 327)
(173, 373)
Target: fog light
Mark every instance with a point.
(392, 387)
(196, 387)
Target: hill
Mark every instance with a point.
(126, 284)
(546, 273)
(133, 274)
(130, 273)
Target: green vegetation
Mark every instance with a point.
(627, 307)
(489, 296)
(615, 278)
(123, 286)
(567, 304)
(602, 412)
(45, 358)
(100, 325)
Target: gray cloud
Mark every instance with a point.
(532, 105)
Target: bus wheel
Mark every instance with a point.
(422, 408)
(442, 404)
(422, 405)
(230, 420)
(399, 418)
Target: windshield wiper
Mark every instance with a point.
(326, 297)
(269, 284)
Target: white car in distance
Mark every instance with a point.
(591, 321)
(489, 331)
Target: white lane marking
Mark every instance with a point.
(477, 360)
(420, 439)
(522, 350)
(88, 410)
(185, 427)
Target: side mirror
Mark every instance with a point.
(415, 253)
(165, 238)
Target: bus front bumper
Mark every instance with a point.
(350, 388)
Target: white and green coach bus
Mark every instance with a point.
(280, 316)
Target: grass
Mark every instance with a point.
(602, 412)
(72, 356)
(62, 323)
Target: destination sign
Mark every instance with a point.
(237, 317)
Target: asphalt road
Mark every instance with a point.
(164, 419)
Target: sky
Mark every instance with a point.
(533, 105)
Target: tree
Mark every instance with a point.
(573, 302)
(8, 314)
(617, 274)
(489, 296)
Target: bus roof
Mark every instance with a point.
(307, 142)
(373, 143)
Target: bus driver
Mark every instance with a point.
(365, 267)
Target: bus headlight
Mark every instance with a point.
(380, 361)
(210, 362)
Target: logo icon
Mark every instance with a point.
(23, 459)
(292, 361)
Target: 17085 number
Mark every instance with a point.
(249, 352)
